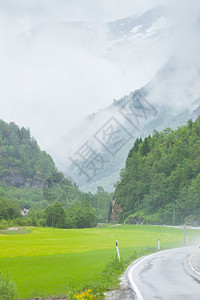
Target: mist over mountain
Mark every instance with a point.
(99, 127)
(166, 101)
(104, 36)
(60, 64)
(109, 134)
(53, 60)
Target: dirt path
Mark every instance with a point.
(13, 228)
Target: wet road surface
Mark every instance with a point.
(168, 275)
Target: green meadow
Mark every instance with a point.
(49, 262)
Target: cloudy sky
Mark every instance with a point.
(51, 78)
(33, 11)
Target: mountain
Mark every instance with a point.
(160, 182)
(107, 136)
(113, 40)
(22, 163)
(141, 24)
(126, 34)
(29, 178)
(131, 49)
(195, 113)
(29, 174)
(84, 154)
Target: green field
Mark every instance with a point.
(48, 261)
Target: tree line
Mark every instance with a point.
(29, 179)
(161, 180)
(85, 211)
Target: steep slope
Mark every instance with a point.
(168, 100)
(111, 132)
(160, 182)
(169, 96)
(28, 174)
(29, 178)
(22, 163)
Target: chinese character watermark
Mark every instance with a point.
(113, 136)
(137, 108)
(88, 161)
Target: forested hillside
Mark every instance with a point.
(22, 163)
(30, 180)
(28, 174)
(161, 180)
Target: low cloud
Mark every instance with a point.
(51, 76)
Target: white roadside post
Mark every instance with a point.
(117, 246)
(159, 245)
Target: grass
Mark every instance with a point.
(7, 289)
(51, 261)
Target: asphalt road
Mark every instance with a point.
(167, 275)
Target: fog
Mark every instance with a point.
(54, 73)
(177, 84)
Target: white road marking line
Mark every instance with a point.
(191, 265)
(130, 277)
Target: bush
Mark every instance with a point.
(28, 222)
(55, 216)
(112, 271)
(4, 224)
(141, 217)
(42, 222)
(8, 289)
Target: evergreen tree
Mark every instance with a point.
(161, 180)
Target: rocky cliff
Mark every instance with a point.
(115, 209)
